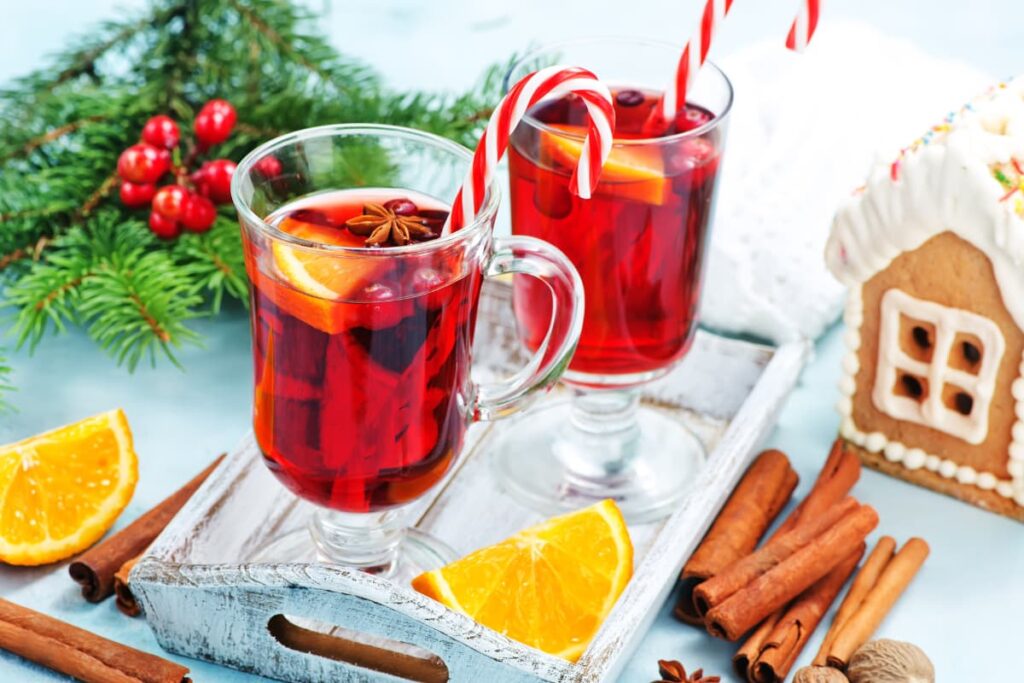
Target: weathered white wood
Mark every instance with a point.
(205, 597)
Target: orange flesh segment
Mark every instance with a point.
(550, 586)
(60, 491)
(635, 172)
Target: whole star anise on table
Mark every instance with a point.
(672, 671)
(382, 225)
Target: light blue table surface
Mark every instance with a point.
(966, 607)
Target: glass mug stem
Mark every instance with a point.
(371, 541)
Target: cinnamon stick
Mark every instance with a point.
(716, 590)
(79, 653)
(837, 476)
(95, 568)
(124, 599)
(744, 659)
(755, 503)
(862, 584)
(791, 633)
(895, 578)
(772, 589)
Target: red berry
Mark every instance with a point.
(214, 122)
(199, 214)
(136, 194)
(268, 167)
(161, 131)
(170, 201)
(142, 163)
(213, 180)
(401, 207)
(163, 227)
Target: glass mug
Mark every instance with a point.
(639, 244)
(362, 355)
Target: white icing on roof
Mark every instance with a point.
(966, 176)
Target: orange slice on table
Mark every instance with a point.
(316, 281)
(635, 172)
(550, 586)
(60, 491)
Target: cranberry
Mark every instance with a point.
(163, 227)
(213, 180)
(214, 122)
(170, 201)
(629, 98)
(692, 117)
(137, 194)
(199, 213)
(377, 292)
(313, 217)
(142, 163)
(429, 285)
(401, 207)
(553, 200)
(691, 155)
(268, 167)
(161, 131)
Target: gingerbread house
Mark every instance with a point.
(932, 249)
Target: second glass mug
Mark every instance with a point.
(638, 244)
(362, 356)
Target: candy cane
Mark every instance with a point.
(554, 81)
(696, 52)
(802, 30)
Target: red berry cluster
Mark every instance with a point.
(188, 203)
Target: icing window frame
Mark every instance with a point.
(894, 362)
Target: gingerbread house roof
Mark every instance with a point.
(966, 175)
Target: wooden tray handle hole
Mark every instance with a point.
(382, 654)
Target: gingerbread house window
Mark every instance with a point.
(936, 365)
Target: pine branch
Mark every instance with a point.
(6, 386)
(214, 261)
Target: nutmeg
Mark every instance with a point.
(890, 661)
(819, 674)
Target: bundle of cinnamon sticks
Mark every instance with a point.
(778, 594)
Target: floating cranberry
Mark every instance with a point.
(268, 167)
(629, 98)
(213, 180)
(170, 201)
(199, 213)
(137, 194)
(429, 285)
(214, 122)
(692, 117)
(401, 207)
(313, 217)
(142, 163)
(553, 200)
(163, 227)
(161, 131)
(690, 155)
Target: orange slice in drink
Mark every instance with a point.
(317, 282)
(60, 491)
(635, 172)
(550, 586)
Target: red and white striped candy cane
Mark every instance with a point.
(554, 81)
(802, 30)
(694, 55)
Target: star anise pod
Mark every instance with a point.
(382, 225)
(672, 671)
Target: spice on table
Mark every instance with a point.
(753, 506)
(95, 568)
(894, 579)
(890, 661)
(124, 599)
(672, 671)
(787, 639)
(79, 653)
(819, 674)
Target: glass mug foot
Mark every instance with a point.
(559, 458)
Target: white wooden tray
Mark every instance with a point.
(204, 597)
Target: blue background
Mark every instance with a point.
(964, 609)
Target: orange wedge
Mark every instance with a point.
(550, 586)
(635, 172)
(317, 281)
(60, 491)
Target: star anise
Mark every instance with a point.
(382, 225)
(672, 671)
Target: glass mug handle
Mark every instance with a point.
(530, 256)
